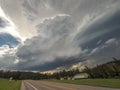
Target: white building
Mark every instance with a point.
(81, 76)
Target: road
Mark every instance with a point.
(45, 85)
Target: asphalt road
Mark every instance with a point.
(45, 85)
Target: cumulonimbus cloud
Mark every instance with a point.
(64, 32)
(54, 40)
(57, 41)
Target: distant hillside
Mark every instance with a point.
(107, 70)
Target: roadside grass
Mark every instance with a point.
(111, 83)
(9, 85)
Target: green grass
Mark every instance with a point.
(9, 85)
(111, 83)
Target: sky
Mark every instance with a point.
(44, 35)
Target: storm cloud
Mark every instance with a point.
(55, 40)
(60, 33)
(58, 41)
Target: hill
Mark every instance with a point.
(107, 70)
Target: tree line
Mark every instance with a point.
(17, 75)
(107, 70)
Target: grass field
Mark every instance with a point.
(9, 85)
(111, 83)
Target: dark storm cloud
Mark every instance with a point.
(58, 62)
(106, 52)
(101, 29)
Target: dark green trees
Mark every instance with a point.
(107, 70)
